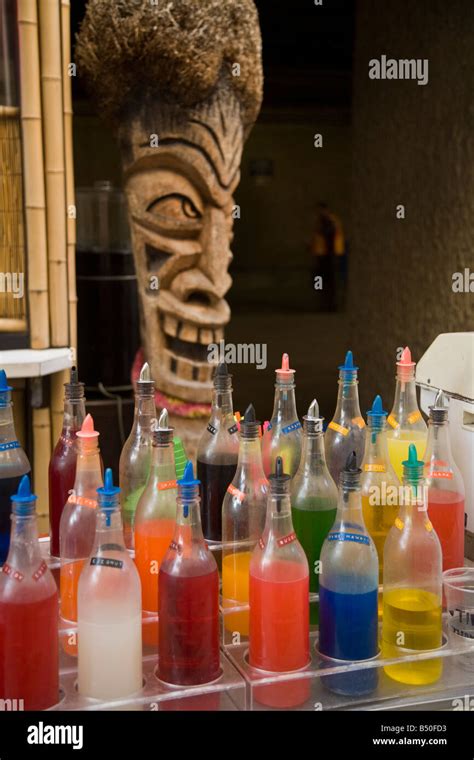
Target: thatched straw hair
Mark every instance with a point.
(134, 52)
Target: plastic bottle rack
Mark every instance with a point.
(323, 684)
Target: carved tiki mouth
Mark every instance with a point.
(187, 347)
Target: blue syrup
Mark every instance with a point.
(348, 631)
(8, 487)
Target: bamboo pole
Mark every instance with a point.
(41, 455)
(69, 164)
(53, 137)
(12, 247)
(33, 173)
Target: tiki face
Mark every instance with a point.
(180, 207)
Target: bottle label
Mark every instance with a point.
(40, 571)
(233, 429)
(359, 421)
(12, 573)
(235, 492)
(429, 526)
(211, 429)
(414, 417)
(9, 445)
(107, 562)
(356, 538)
(261, 543)
(392, 421)
(338, 428)
(82, 501)
(399, 523)
(286, 539)
(166, 485)
(441, 474)
(174, 546)
(67, 441)
(292, 426)
(372, 467)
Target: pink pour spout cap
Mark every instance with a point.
(87, 430)
(284, 372)
(405, 366)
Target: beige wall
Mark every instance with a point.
(412, 145)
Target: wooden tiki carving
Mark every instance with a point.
(181, 82)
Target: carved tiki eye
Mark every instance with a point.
(174, 207)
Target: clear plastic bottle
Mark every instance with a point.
(279, 588)
(243, 521)
(135, 459)
(29, 669)
(379, 484)
(155, 521)
(348, 587)
(217, 454)
(445, 487)
(313, 499)
(406, 425)
(188, 598)
(62, 465)
(412, 592)
(109, 620)
(78, 523)
(282, 436)
(13, 463)
(346, 431)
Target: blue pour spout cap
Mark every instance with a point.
(377, 412)
(23, 501)
(348, 365)
(188, 486)
(4, 387)
(108, 495)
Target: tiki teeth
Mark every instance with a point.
(170, 325)
(188, 332)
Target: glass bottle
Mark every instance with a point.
(29, 669)
(346, 431)
(217, 454)
(412, 592)
(109, 620)
(243, 521)
(313, 499)
(62, 465)
(135, 458)
(13, 463)
(78, 523)
(279, 589)
(282, 436)
(155, 521)
(445, 487)
(406, 425)
(379, 484)
(188, 598)
(348, 587)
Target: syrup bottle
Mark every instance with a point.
(135, 458)
(62, 466)
(217, 454)
(188, 597)
(282, 436)
(29, 669)
(346, 431)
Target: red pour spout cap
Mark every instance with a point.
(405, 367)
(284, 372)
(87, 430)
